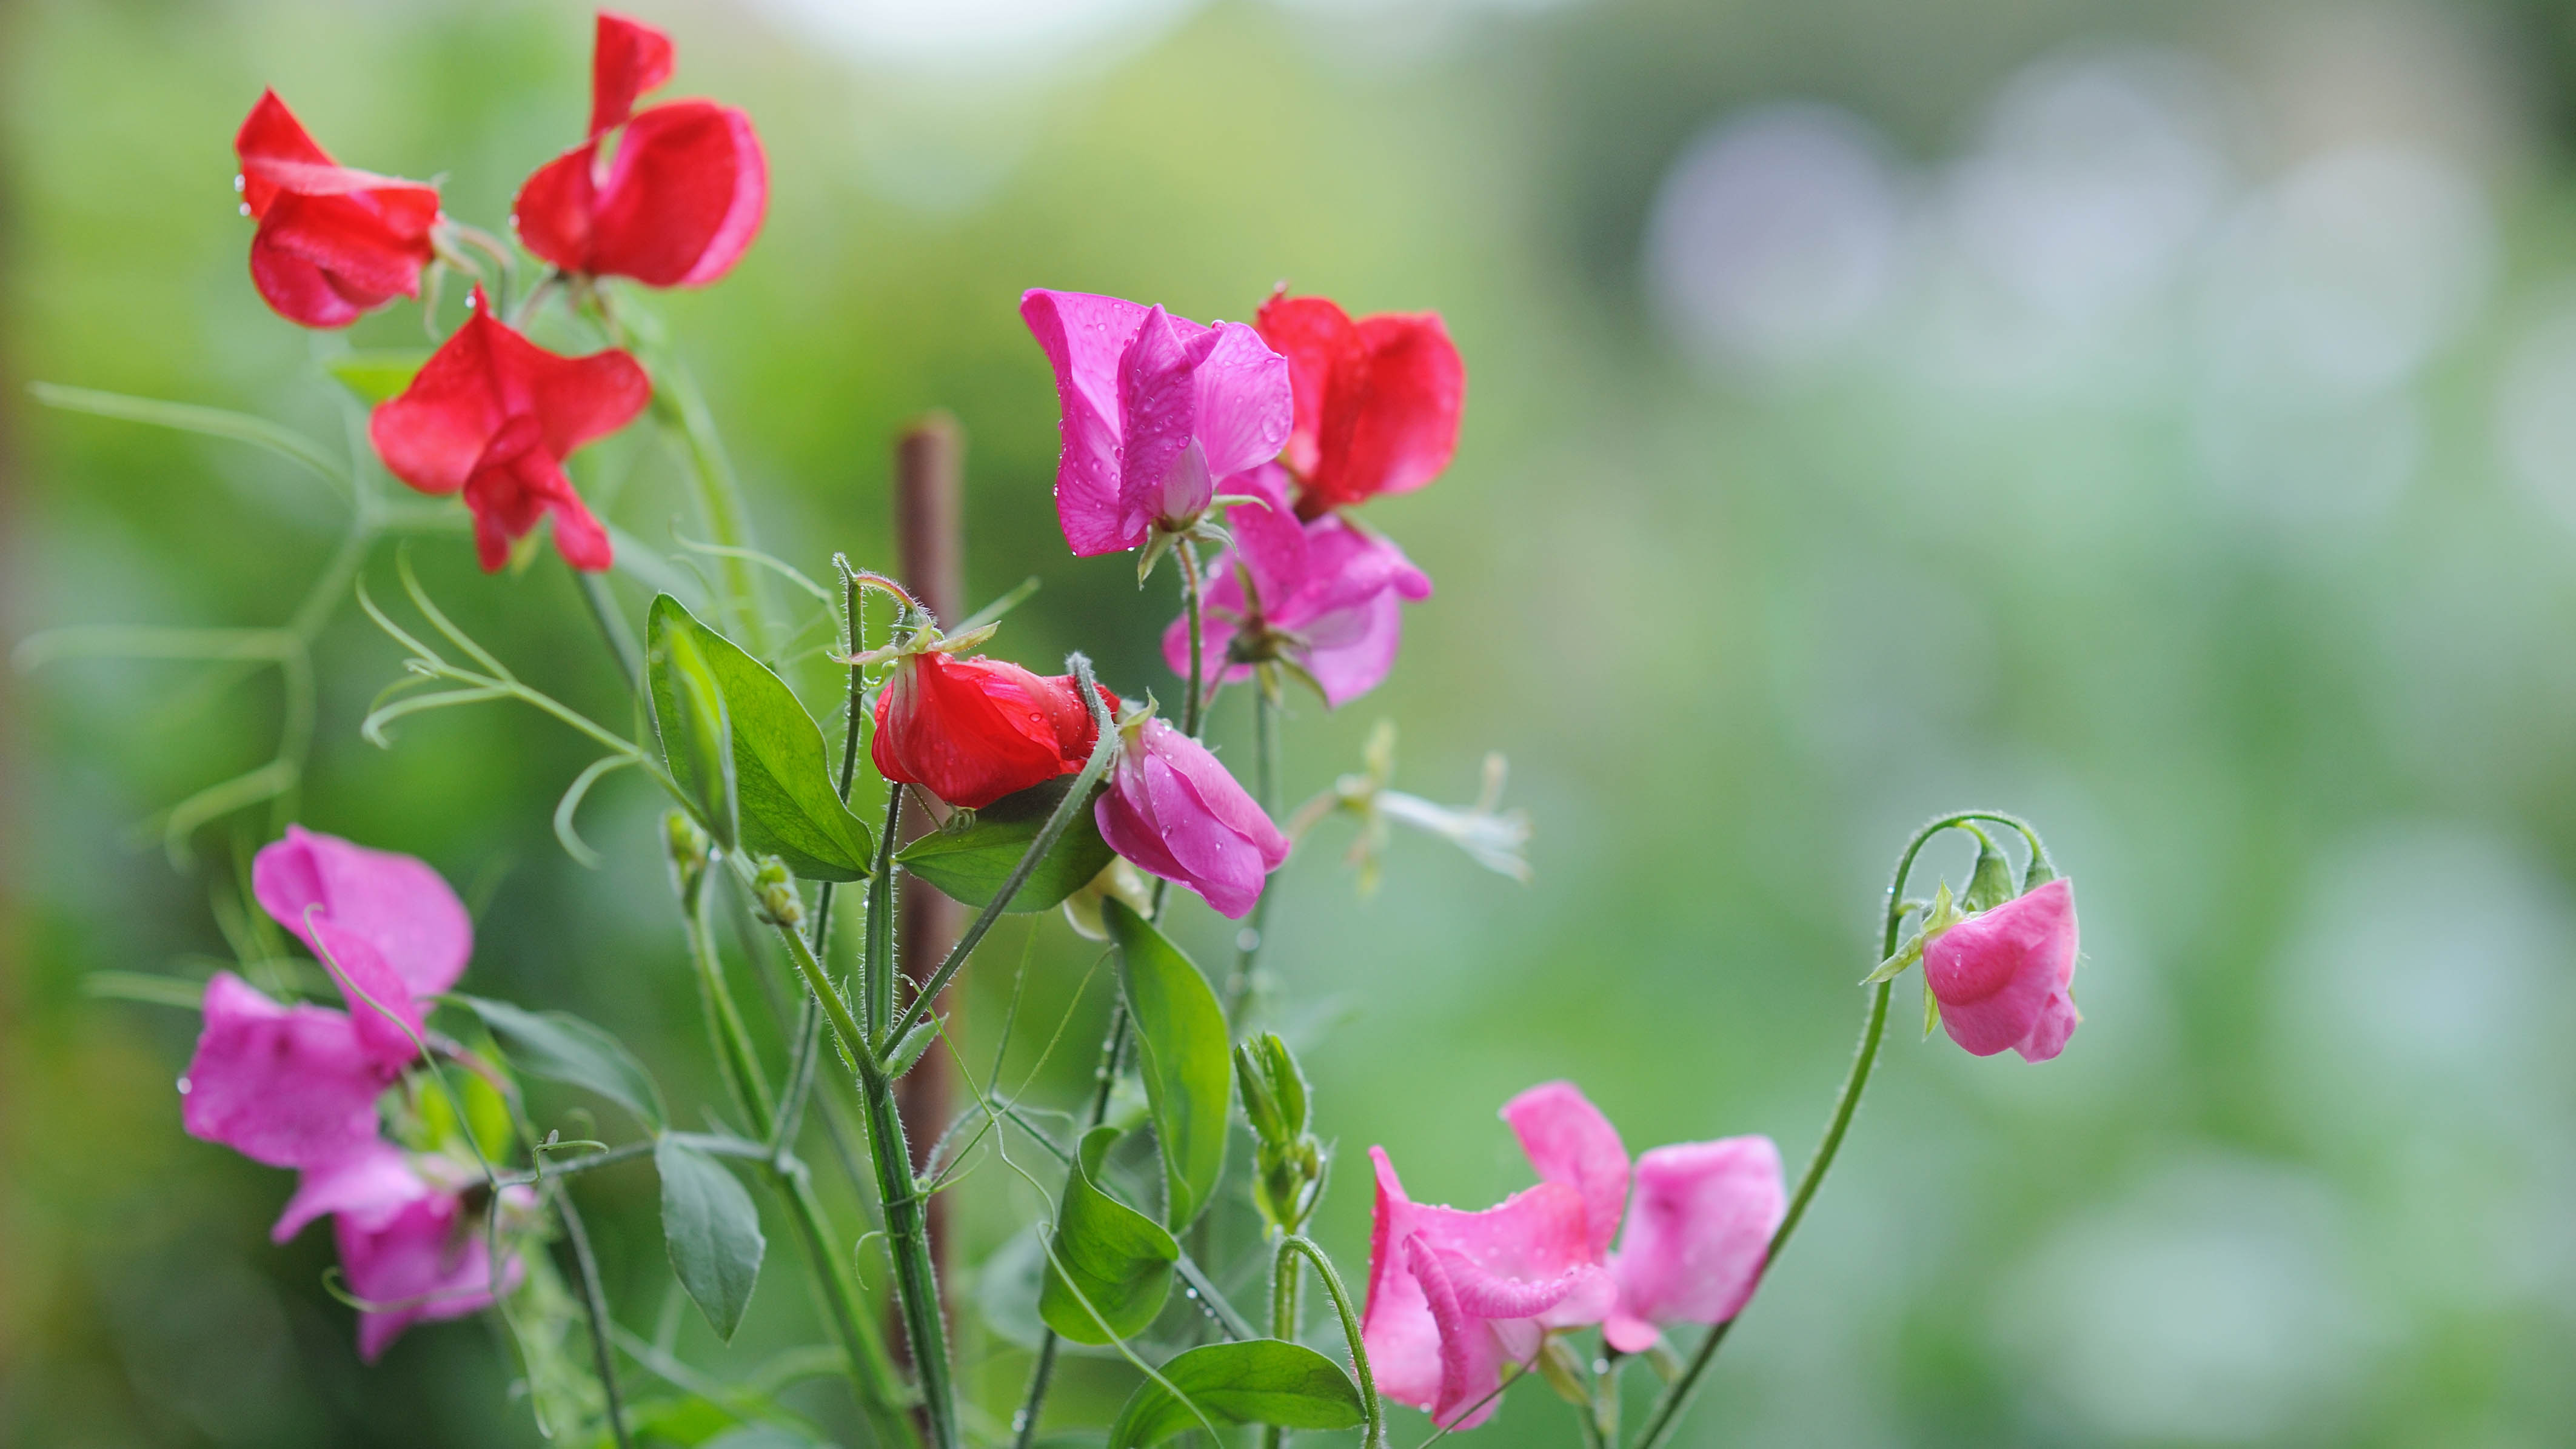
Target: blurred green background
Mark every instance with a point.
(2156, 420)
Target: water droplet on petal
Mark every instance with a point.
(186, 1086)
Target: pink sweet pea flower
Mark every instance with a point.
(492, 416)
(1325, 596)
(367, 1186)
(2001, 976)
(290, 1086)
(678, 201)
(1454, 1294)
(388, 926)
(1173, 811)
(1699, 1214)
(423, 1260)
(1158, 411)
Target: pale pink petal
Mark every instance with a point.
(1997, 973)
(1351, 652)
(1396, 1325)
(1569, 1141)
(369, 1186)
(1268, 538)
(1699, 1232)
(1470, 1356)
(2057, 1022)
(290, 1086)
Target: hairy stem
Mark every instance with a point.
(1256, 930)
(1283, 1319)
(594, 1302)
(1332, 1281)
(612, 626)
(1677, 1397)
(1192, 707)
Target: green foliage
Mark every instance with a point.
(974, 854)
(711, 1230)
(375, 377)
(1182, 1055)
(561, 1047)
(1119, 1259)
(1263, 1381)
(781, 784)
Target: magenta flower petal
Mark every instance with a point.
(2001, 976)
(396, 903)
(1174, 812)
(1162, 473)
(290, 1086)
(388, 1022)
(1244, 405)
(1569, 1141)
(1452, 1294)
(1699, 1232)
(1083, 337)
(369, 1186)
(423, 1262)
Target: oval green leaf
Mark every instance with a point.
(971, 857)
(561, 1047)
(712, 1231)
(782, 774)
(1119, 1259)
(1183, 1055)
(697, 736)
(1262, 1381)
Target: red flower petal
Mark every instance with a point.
(627, 59)
(1317, 338)
(1377, 400)
(684, 196)
(333, 241)
(554, 208)
(971, 731)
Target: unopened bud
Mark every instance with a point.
(1119, 879)
(687, 847)
(775, 891)
(1992, 884)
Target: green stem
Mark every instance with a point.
(612, 626)
(916, 1275)
(1256, 930)
(876, 958)
(1332, 1281)
(594, 1302)
(1283, 1320)
(1191, 706)
(1676, 1398)
(735, 1060)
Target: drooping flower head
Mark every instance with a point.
(333, 243)
(1699, 1218)
(493, 415)
(1157, 412)
(2002, 976)
(1377, 399)
(677, 200)
(290, 1086)
(971, 731)
(1325, 596)
(1173, 811)
(422, 1258)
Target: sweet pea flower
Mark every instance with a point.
(1377, 399)
(289, 1086)
(1454, 1294)
(2001, 976)
(388, 926)
(1698, 1223)
(492, 416)
(1158, 412)
(423, 1259)
(680, 198)
(333, 243)
(971, 731)
(1174, 812)
(1325, 596)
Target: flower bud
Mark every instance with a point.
(1991, 884)
(686, 845)
(775, 892)
(1119, 879)
(1288, 1163)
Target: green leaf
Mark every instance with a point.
(1120, 1259)
(1182, 1055)
(712, 1231)
(970, 857)
(761, 1436)
(697, 732)
(561, 1047)
(787, 804)
(1261, 1381)
(377, 376)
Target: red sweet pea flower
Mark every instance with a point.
(1377, 399)
(971, 731)
(679, 199)
(494, 415)
(333, 243)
